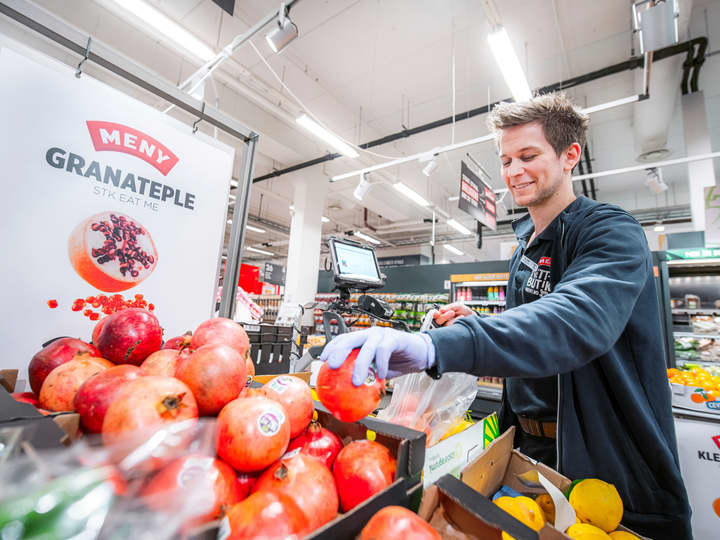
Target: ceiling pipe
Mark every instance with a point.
(628, 65)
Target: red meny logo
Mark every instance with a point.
(109, 136)
(716, 439)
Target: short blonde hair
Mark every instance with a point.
(562, 122)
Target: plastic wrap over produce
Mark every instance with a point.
(157, 485)
(433, 406)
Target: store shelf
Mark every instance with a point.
(480, 283)
(483, 302)
(682, 311)
(696, 336)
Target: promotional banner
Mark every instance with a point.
(476, 197)
(712, 216)
(107, 203)
(699, 454)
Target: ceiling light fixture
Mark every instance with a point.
(256, 250)
(430, 167)
(659, 228)
(167, 27)
(509, 64)
(362, 188)
(321, 133)
(458, 227)
(366, 237)
(283, 33)
(654, 181)
(324, 219)
(410, 194)
(453, 249)
(254, 229)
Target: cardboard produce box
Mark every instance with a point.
(457, 512)
(694, 399)
(454, 453)
(499, 464)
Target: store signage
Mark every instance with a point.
(107, 202)
(274, 273)
(477, 197)
(694, 253)
(405, 260)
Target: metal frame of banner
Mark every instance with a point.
(45, 23)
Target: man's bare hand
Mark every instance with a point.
(447, 315)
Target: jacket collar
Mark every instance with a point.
(524, 226)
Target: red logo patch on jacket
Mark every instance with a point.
(544, 261)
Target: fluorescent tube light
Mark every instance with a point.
(458, 227)
(430, 167)
(410, 194)
(659, 228)
(256, 250)
(167, 27)
(322, 133)
(611, 104)
(291, 207)
(453, 249)
(509, 65)
(367, 238)
(254, 229)
(324, 219)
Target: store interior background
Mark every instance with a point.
(369, 68)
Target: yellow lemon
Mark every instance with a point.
(516, 509)
(547, 505)
(536, 513)
(584, 531)
(597, 503)
(622, 535)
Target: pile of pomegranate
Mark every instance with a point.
(277, 472)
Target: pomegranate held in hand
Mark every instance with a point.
(318, 442)
(395, 522)
(296, 396)
(58, 352)
(204, 486)
(220, 330)
(265, 515)
(59, 389)
(215, 374)
(344, 400)
(95, 395)
(130, 336)
(179, 342)
(148, 403)
(252, 432)
(163, 362)
(308, 482)
(362, 469)
(112, 251)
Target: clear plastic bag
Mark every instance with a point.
(433, 406)
(90, 490)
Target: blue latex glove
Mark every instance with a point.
(394, 352)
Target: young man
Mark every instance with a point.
(580, 346)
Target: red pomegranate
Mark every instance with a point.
(163, 362)
(59, 389)
(344, 400)
(394, 522)
(215, 374)
(205, 483)
(112, 251)
(26, 397)
(98, 328)
(362, 469)
(246, 482)
(178, 342)
(318, 442)
(308, 482)
(58, 352)
(266, 515)
(296, 396)
(95, 395)
(148, 403)
(130, 336)
(252, 432)
(223, 331)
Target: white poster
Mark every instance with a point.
(106, 202)
(699, 453)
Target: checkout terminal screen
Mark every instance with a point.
(356, 262)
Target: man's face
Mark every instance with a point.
(532, 170)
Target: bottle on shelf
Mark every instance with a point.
(501, 294)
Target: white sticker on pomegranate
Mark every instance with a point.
(269, 422)
(280, 384)
(371, 377)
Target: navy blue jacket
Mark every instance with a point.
(599, 332)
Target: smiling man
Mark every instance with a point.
(580, 345)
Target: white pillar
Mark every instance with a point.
(305, 239)
(697, 141)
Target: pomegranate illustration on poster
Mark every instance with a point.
(107, 203)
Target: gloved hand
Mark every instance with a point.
(394, 352)
(448, 314)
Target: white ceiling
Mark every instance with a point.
(368, 67)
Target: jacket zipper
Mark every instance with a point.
(557, 419)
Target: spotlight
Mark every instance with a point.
(362, 187)
(430, 167)
(279, 37)
(654, 181)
